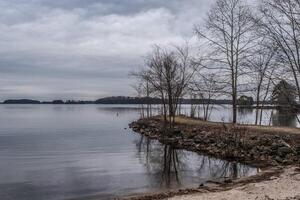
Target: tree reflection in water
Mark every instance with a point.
(284, 118)
(222, 169)
(163, 162)
(243, 113)
(168, 167)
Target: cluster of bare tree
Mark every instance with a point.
(248, 50)
(167, 75)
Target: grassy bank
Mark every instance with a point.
(257, 129)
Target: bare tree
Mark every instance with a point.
(261, 65)
(138, 87)
(144, 92)
(280, 22)
(228, 35)
(186, 69)
(168, 72)
(205, 86)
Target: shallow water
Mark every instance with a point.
(56, 152)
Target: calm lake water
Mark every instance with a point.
(223, 113)
(57, 152)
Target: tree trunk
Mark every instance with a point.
(257, 104)
(234, 109)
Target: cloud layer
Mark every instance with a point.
(74, 49)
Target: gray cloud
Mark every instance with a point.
(84, 49)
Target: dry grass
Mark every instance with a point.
(252, 128)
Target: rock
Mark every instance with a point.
(201, 185)
(274, 146)
(282, 143)
(177, 131)
(228, 181)
(189, 136)
(297, 197)
(198, 141)
(194, 130)
(287, 162)
(248, 146)
(298, 150)
(278, 159)
(253, 137)
(283, 151)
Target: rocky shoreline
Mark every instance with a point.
(270, 149)
(224, 141)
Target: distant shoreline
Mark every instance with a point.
(123, 100)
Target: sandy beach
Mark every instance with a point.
(284, 187)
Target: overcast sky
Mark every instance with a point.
(84, 49)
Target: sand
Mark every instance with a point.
(284, 187)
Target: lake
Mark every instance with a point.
(58, 152)
(223, 113)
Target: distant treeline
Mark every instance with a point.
(121, 100)
(117, 100)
